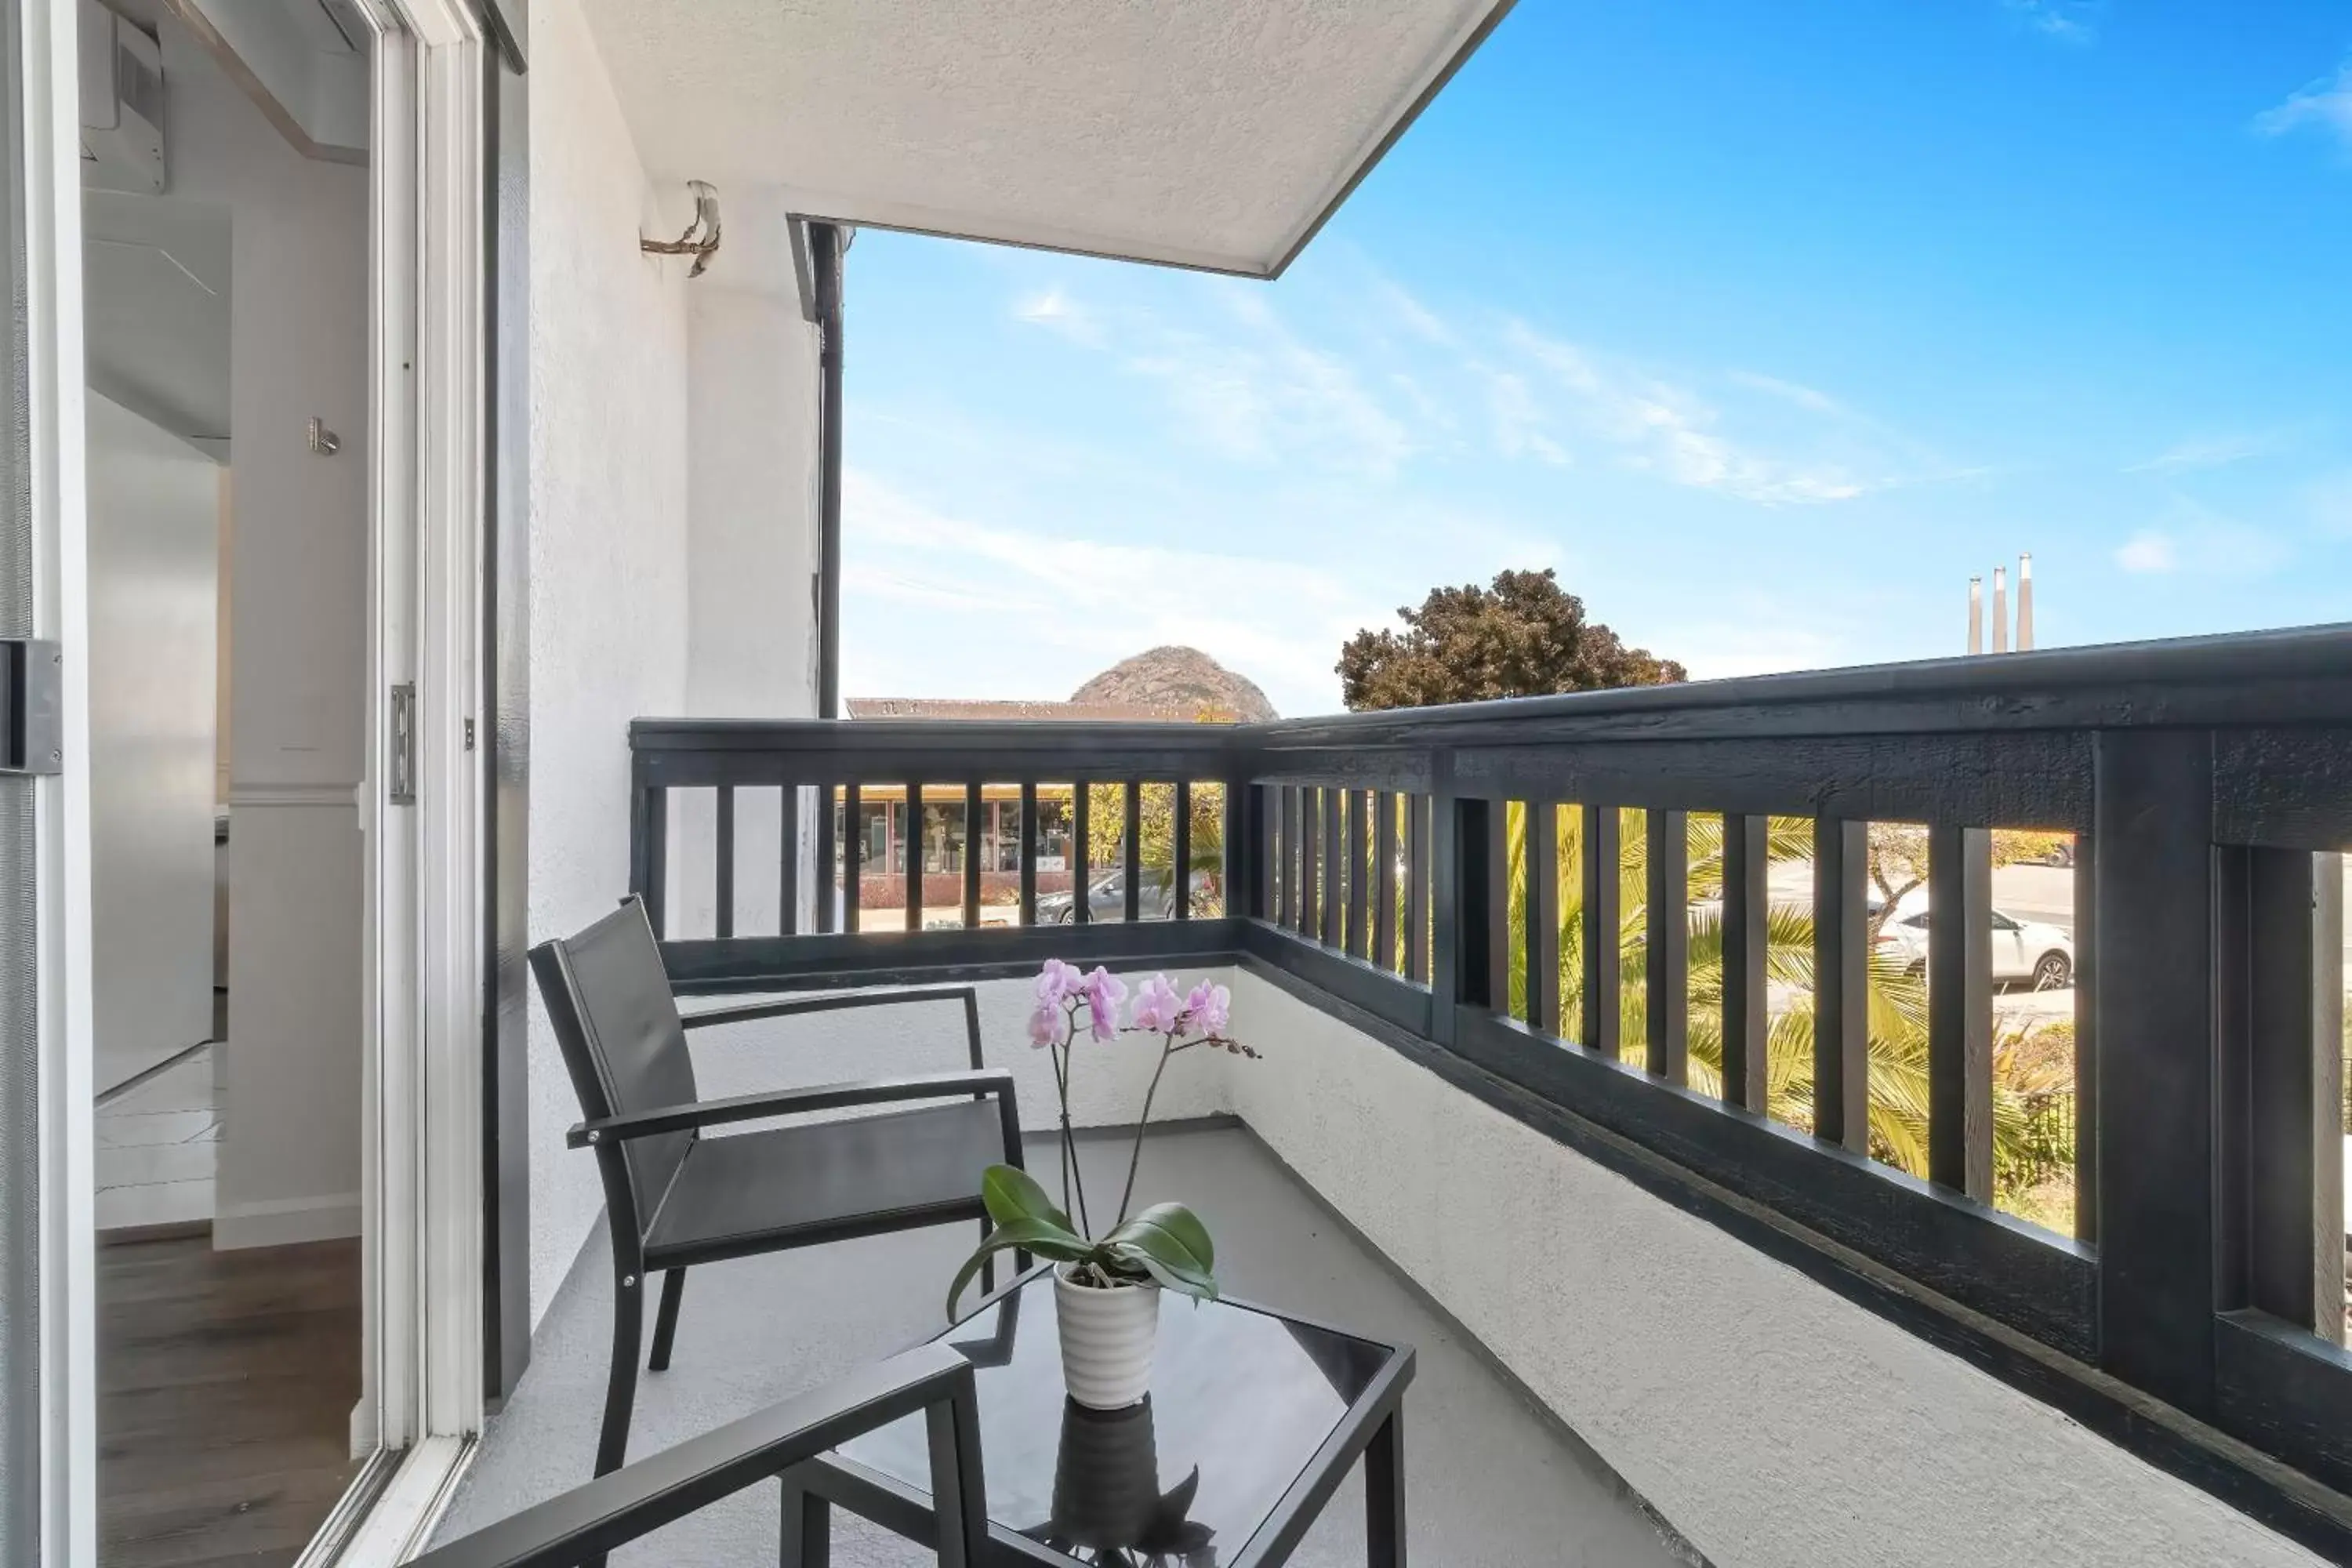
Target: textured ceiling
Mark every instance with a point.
(1207, 132)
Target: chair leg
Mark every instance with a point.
(987, 1264)
(621, 1391)
(666, 1318)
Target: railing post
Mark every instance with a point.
(1181, 851)
(1445, 890)
(1539, 859)
(1028, 852)
(1841, 983)
(1959, 1009)
(2155, 895)
(1747, 1005)
(1602, 867)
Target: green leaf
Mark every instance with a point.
(1172, 1244)
(1184, 1225)
(1189, 1282)
(1044, 1237)
(1012, 1193)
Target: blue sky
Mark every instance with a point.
(1768, 326)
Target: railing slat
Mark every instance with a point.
(1311, 875)
(657, 887)
(1541, 865)
(1747, 1006)
(788, 860)
(1131, 848)
(723, 867)
(2086, 1038)
(1182, 856)
(1264, 849)
(1417, 810)
(1081, 854)
(827, 830)
(1495, 854)
(1031, 830)
(1360, 893)
(853, 856)
(910, 844)
(1333, 908)
(1841, 984)
(975, 811)
(1603, 926)
(1665, 926)
(1285, 909)
(1959, 1009)
(1384, 888)
(2276, 1172)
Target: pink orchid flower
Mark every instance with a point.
(1209, 1010)
(1104, 992)
(1158, 1009)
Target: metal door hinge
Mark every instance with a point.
(32, 723)
(400, 771)
(469, 734)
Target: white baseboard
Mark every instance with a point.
(283, 1222)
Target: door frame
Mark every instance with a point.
(422, 1024)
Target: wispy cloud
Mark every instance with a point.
(1054, 309)
(2217, 451)
(1243, 383)
(2194, 538)
(2325, 105)
(1659, 427)
(2149, 552)
(2069, 21)
(1801, 396)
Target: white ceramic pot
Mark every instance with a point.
(1107, 1334)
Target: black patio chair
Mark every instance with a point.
(674, 1198)
(582, 1524)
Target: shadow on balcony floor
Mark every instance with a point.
(1491, 1484)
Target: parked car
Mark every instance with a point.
(2023, 951)
(1106, 898)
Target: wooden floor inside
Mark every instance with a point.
(225, 1387)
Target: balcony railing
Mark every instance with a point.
(1368, 864)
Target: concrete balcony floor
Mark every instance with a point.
(1491, 1482)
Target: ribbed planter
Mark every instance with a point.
(1108, 1336)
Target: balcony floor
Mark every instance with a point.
(1490, 1481)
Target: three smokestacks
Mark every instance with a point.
(2000, 622)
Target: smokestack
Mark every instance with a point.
(2024, 602)
(2000, 609)
(1976, 615)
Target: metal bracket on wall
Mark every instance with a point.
(32, 715)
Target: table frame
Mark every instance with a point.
(1373, 1429)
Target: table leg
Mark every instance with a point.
(807, 1533)
(1384, 1495)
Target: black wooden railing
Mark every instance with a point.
(1364, 867)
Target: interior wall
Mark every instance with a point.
(609, 545)
(298, 560)
(1769, 1419)
(154, 530)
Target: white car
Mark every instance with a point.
(2023, 951)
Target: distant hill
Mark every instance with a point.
(1181, 678)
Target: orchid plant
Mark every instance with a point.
(1166, 1242)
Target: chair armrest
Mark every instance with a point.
(756, 1107)
(610, 1511)
(750, 1011)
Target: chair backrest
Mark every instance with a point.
(617, 1021)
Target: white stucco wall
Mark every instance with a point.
(1771, 1421)
(608, 545)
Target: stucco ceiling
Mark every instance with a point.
(1213, 134)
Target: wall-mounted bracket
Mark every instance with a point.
(32, 706)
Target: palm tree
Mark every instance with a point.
(1897, 1007)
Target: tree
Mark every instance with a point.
(1525, 636)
